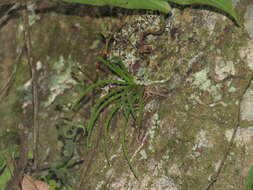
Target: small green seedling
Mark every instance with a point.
(124, 96)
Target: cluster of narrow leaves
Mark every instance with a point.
(125, 96)
(161, 5)
(5, 173)
(5, 169)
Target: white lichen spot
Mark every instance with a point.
(155, 179)
(110, 173)
(28, 84)
(247, 54)
(202, 82)
(33, 17)
(164, 183)
(201, 79)
(166, 156)
(210, 19)
(214, 90)
(38, 65)
(235, 2)
(247, 106)
(143, 155)
(232, 89)
(28, 98)
(243, 135)
(100, 185)
(151, 105)
(130, 58)
(174, 170)
(120, 182)
(223, 69)
(61, 81)
(155, 123)
(201, 142)
(217, 165)
(59, 65)
(21, 28)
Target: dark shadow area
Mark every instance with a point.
(8, 12)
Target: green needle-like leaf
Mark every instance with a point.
(118, 71)
(93, 86)
(127, 101)
(112, 112)
(124, 145)
(117, 61)
(100, 105)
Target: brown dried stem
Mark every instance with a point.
(231, 143)
(34, 86)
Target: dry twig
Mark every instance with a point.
(231, 143)
(34, 76)
(7, 84)
(7, 14)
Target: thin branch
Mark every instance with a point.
(34, 76)
(231, 143)
(140, 147)
(7, 84)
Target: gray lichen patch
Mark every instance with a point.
(248, 17)
(61, 80)
(247, 106)
(243, 136)
(223, 69)
(153, 180)
(246, 53)
(243, 139)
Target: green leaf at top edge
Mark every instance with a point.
(156, 5)
(161, 5)
(224, 5)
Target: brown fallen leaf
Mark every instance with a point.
(28, 183)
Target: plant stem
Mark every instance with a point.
(33, 71)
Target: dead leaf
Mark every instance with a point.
(28, 183)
